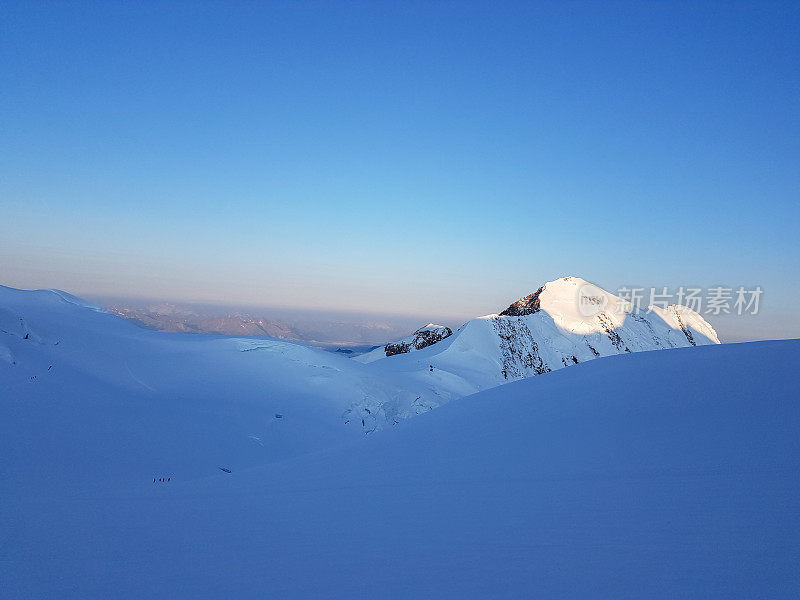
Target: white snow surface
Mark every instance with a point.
(156, 396)
(654, 474)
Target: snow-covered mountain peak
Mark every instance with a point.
(565, 322)
(577, 306)
(573, 304)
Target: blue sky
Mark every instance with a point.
(407, 157)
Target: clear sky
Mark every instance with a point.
(406, 157)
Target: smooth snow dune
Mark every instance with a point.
(651, 475)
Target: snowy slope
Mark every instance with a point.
(167, 403)
(640, 475)
(566, 322)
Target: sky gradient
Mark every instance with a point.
(409, 158)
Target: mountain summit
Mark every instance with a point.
(565, 322)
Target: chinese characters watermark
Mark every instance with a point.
(717, 300)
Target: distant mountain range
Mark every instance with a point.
(177, 319)
(353, 333)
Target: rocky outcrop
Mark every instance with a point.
(528, 305)
(686, 331)
(608, 326)
(519, 351)
(421, 338)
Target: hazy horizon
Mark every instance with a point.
(732, 328)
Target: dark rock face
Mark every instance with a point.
(398, 348)
(422, 339)
(427, 337)
(525, 306)
(608, 327)
(519, 349)
(686, 330)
